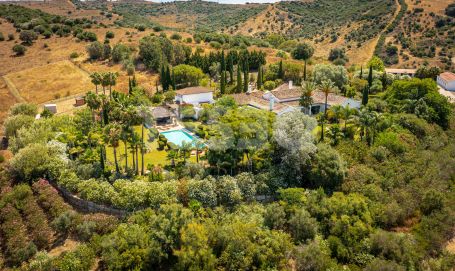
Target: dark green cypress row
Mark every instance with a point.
(246, 70)
(239, 79)
(259, 81)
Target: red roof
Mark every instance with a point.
(447, 76)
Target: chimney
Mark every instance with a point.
(271, 104)
(290, 84)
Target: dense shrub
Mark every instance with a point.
(18, 247)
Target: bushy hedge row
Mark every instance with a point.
(35, 219)
(49, 199)
(139, 194)
(18, 247)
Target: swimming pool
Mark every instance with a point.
(178, 137)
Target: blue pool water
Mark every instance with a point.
(178, 137)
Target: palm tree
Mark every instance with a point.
(185, 148)
(112, 81)
(346, 115)
(96, 80)
(326, 87)
(145, 114)
(93, 102)
(105, 81)
(368, 121)
(199, 146)
(172, 155)
(337, 111)
(112, 134)
(335, 134)
(135, 144)
(321, 119)
(306, 100)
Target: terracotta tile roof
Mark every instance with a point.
(193, 90)
(245, 98)
(447, 76)
(283, 92)
(332, 99)
(255, 99)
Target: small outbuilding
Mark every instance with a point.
(51, 107)
(401, 72)
(447, 81)
(163, 115)
(194, 95)
(80, 101)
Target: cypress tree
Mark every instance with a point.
(365, 95)
(168, 78)
(259, 81)
(173, 80)
(223, 74)
(134, 82)
(245, 75)
(280, 70)
(130, 86)
(370, 77)
(239, 79)
(163, 78)
(231, 69)
(361, 72)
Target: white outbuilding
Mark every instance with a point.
(194, 95)
(447, 81)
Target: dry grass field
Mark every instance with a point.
(6, 101)
(66, 8)
(52, 81)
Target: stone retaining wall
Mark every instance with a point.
(85, 205)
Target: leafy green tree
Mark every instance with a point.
(376, 63)
(303, 227)
(151, 53)
(195, 252)
(15, 122)
(187, 75)
(37, 161)
(303, 51)
(204, 191)
(328, 169)
(19, 49)
(337, 74)
(23, 109)
(121, 52)
(95, 50)
(28, 36)
(130, 247)
(292, 133)
(314, 256)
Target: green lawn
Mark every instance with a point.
(153, 156)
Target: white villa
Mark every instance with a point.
(286, 97)
(194, 96)
(447, 81)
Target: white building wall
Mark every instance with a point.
(450, 86)
(195, 99)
